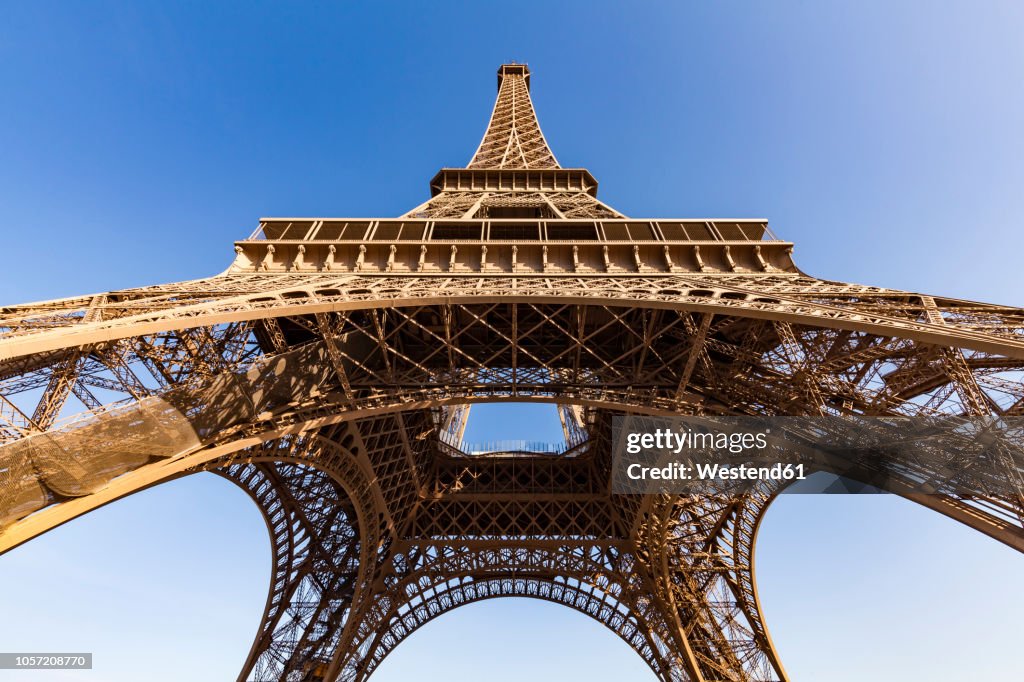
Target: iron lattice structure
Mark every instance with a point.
(329, 372)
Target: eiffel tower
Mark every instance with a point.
(330, 371)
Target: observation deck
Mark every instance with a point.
(520, 246)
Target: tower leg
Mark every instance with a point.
(698, 558)
(325, 538)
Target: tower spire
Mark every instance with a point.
(513, 138)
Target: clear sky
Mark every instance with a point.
(138, 140)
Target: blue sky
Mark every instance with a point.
(139, 140)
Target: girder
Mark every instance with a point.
(244, 298)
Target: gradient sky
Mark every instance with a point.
(139, 140)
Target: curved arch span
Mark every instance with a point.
(546, 591)
(176, 464)
(804, 302)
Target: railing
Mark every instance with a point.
(512, 446)
(426, 230)
(485, 447)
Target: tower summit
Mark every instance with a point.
(530, 183)
(329, 370)
(513, 138)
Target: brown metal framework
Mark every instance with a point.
(330, 369)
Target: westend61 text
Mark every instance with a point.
(677, 471)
